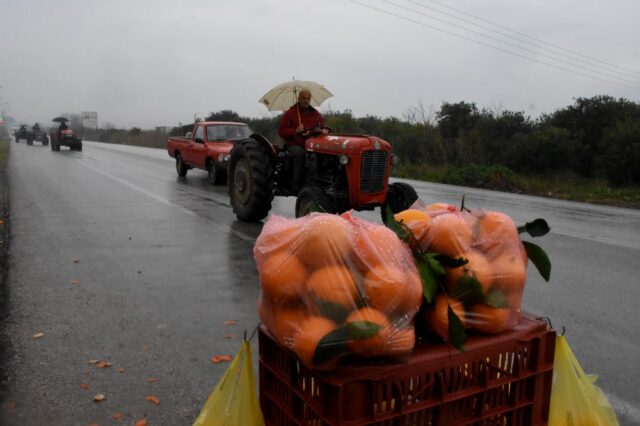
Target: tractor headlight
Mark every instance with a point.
(344, 160)
(394, 160)
(223, 158)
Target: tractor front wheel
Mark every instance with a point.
(250, 180)
(312, 199)
(399, 198)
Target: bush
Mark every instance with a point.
(490, 177)
(622, 152)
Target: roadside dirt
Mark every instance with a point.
(4, 264)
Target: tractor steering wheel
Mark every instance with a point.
(314, 131)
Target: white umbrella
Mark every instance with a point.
(284, 95)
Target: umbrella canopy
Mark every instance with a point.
(284, 95)
(60, 120)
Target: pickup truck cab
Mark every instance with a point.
(207, 147)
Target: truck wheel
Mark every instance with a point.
(400, 196)
(181, 168)
(312, 199)
(79, 146)
(250, 181)
(214, 173)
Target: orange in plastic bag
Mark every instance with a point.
(335, 285)
(496, 265)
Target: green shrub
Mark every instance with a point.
(495, 177)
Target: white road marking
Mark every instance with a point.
(604, 240)
(245, 237)
(137, 188)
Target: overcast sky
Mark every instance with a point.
(158, 63)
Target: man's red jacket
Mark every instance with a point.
(310, 117)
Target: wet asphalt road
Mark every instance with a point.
(162, 263)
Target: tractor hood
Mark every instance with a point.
(346, 144)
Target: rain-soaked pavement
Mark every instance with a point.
(115, 258)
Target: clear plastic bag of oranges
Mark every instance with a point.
(335, 286)
(484, 293)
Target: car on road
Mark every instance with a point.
(207, 147)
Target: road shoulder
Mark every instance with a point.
(4, 264)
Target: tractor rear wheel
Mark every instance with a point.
(251, 179)
(399, 197)
(312, 199)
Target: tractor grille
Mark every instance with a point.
(374, 168)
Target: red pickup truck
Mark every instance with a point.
(207, 147)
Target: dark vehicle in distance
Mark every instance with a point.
(21, 133)
(65, 137)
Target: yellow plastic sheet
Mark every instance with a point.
(575, 399)
(233, 402)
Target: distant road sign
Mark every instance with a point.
(90, 119)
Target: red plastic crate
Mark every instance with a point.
(502, 380)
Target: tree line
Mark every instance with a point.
(597, 137)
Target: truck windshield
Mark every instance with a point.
(228, 132)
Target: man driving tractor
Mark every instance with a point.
(300, 117)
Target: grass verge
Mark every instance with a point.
(560, 185)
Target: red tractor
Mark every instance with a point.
(342, 172)
(64, 136)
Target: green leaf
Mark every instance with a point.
(449, 262)
(496, 298)
(360, 330)
(468, 290)
(537, 228)
(429, 283)
(436, 267)
(331, 346)
(539, 258)
(332, 310)
(457, 335)
(400, 229)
